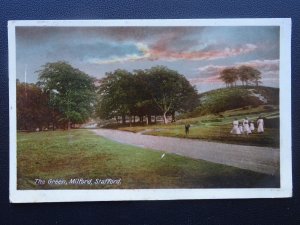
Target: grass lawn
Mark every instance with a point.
(217, 128)
(79, 154)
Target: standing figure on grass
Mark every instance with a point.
(235, 129)
(260, 125)
(252, 128)
(241, 127)
(187, 129)
(246, 126)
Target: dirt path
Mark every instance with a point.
(258, 159)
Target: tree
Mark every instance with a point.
(255, 77)
(187, 100)
(248, 73)
(169, 89)
(144, 104)
(32, 107)
(229, 76)
(71, 91)
(157, 91)
(116, 95)
(244, 73)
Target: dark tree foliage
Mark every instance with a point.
(171, 91)
(249, 74)
(246, 74)
(144, 103)
(116, 95)
(71, 91)
(32, 107)
(230, 76)
(152, 92)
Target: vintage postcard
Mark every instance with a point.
(108, 110)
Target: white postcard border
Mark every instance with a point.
(285, 190)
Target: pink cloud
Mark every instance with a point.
(207, 80)
(210, 74)
(161, 51)
(210, 70)
(172, 47)
(263, 65)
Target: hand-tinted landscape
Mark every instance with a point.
(157, 107)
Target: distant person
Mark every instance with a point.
(246, 126)
(241, 127)
(187, 129)
(235, 129)
(260, 125)
(252, 128)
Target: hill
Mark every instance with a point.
(220, 100)
(212, 120)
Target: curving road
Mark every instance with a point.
(259, 159)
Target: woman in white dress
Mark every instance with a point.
(252, 128)
(260, 125)
(235, 129)
(246, 126)
(241, 127)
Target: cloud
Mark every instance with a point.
(269, 68)
(161, 51)
(116, 59)
(145, 33)
(170, 44)
(210, 70)
(210, 74)
(167, 54)
(265, 66)
(118, 34)
(106, 45)
(141, 53)
(205, 80)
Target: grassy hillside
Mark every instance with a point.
(224, 99)
(217, 127)
(212, 120)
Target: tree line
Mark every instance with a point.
(145, 93)
(246, 74)
(64, 96)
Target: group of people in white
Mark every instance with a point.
(247, 126)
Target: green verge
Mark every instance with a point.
(217, 127)
(81, 154)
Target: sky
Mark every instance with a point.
(198, 53)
